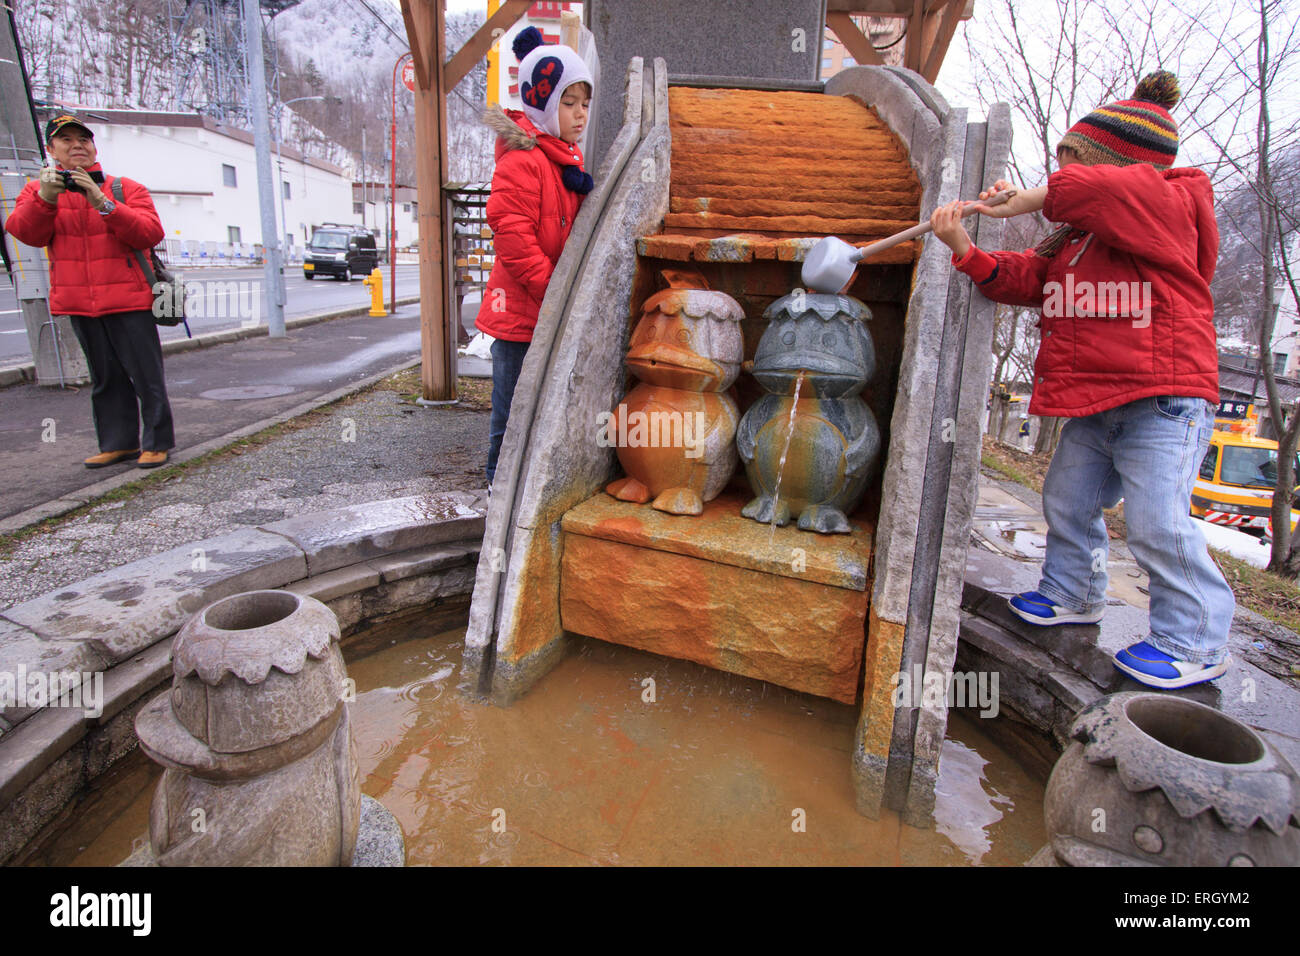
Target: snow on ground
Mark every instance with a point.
(1237, 543)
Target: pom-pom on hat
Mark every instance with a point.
(545, 72)
(1136, 130)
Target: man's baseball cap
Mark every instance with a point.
(63, 120)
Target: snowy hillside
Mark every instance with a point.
(143, 54)
(342, 38)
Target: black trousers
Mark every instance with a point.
(127, 387)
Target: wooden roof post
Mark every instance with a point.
(914, 43)
(425, 32)
(939, 34)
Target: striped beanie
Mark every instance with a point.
(1136, 130)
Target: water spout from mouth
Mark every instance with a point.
(780, 468)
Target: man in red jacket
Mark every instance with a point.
(95, 280)
(1127, 352)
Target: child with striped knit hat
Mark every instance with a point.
(1127, 353)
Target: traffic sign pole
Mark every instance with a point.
(408, 80)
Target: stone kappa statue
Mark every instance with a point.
(810, 445)
(674, 430)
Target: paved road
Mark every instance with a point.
(213, 392)
(231, 297)
(45, 432)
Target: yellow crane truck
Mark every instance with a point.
(1238, 475)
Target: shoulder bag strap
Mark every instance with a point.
(139, 256)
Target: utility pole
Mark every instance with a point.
(57, 357)
(364, 195)
(262, 142)
(279, 159)
(283, 231)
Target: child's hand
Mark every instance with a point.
(1025, 200)
(998, 187)
(946, 223)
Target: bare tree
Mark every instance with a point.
(97, 52)
(1042, 87)
(470, 146)
(1265, 61)
(117, 53)
(358, 98)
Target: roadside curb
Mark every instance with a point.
(66, 503)
(24, 374)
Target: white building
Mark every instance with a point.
(203, 179)
(370, 208)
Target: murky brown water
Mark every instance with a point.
(599, 766)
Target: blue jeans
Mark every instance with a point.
(1146, 452)
(507, 362)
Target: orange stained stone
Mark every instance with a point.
(537, 622)
(753, 170)
(788, 161)
(664, 458)
(722, 535)
(796, 634)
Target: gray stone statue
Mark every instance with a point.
(810, 445)
(254, 734)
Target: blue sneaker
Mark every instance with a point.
(1155, 668)
(1036, 609)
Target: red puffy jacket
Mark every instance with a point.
(93, 270)
(531, 214)
(1127, 311)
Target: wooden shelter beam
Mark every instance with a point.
(937, 46)
(414, 33)
(931, 25)
(891, 9)
(915, 37)
(478, 45)
(853, 39)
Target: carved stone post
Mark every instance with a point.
(1156, 779)
(254, 733)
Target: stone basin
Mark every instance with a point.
(716, 769)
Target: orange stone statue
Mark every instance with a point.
(674, 430)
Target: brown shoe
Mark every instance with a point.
(110, 458)
(151, 459)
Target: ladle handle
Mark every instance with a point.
(921, 228)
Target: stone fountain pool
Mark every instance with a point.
(620, 757)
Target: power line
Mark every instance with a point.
(374, 13)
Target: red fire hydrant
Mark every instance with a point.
(376, 282)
